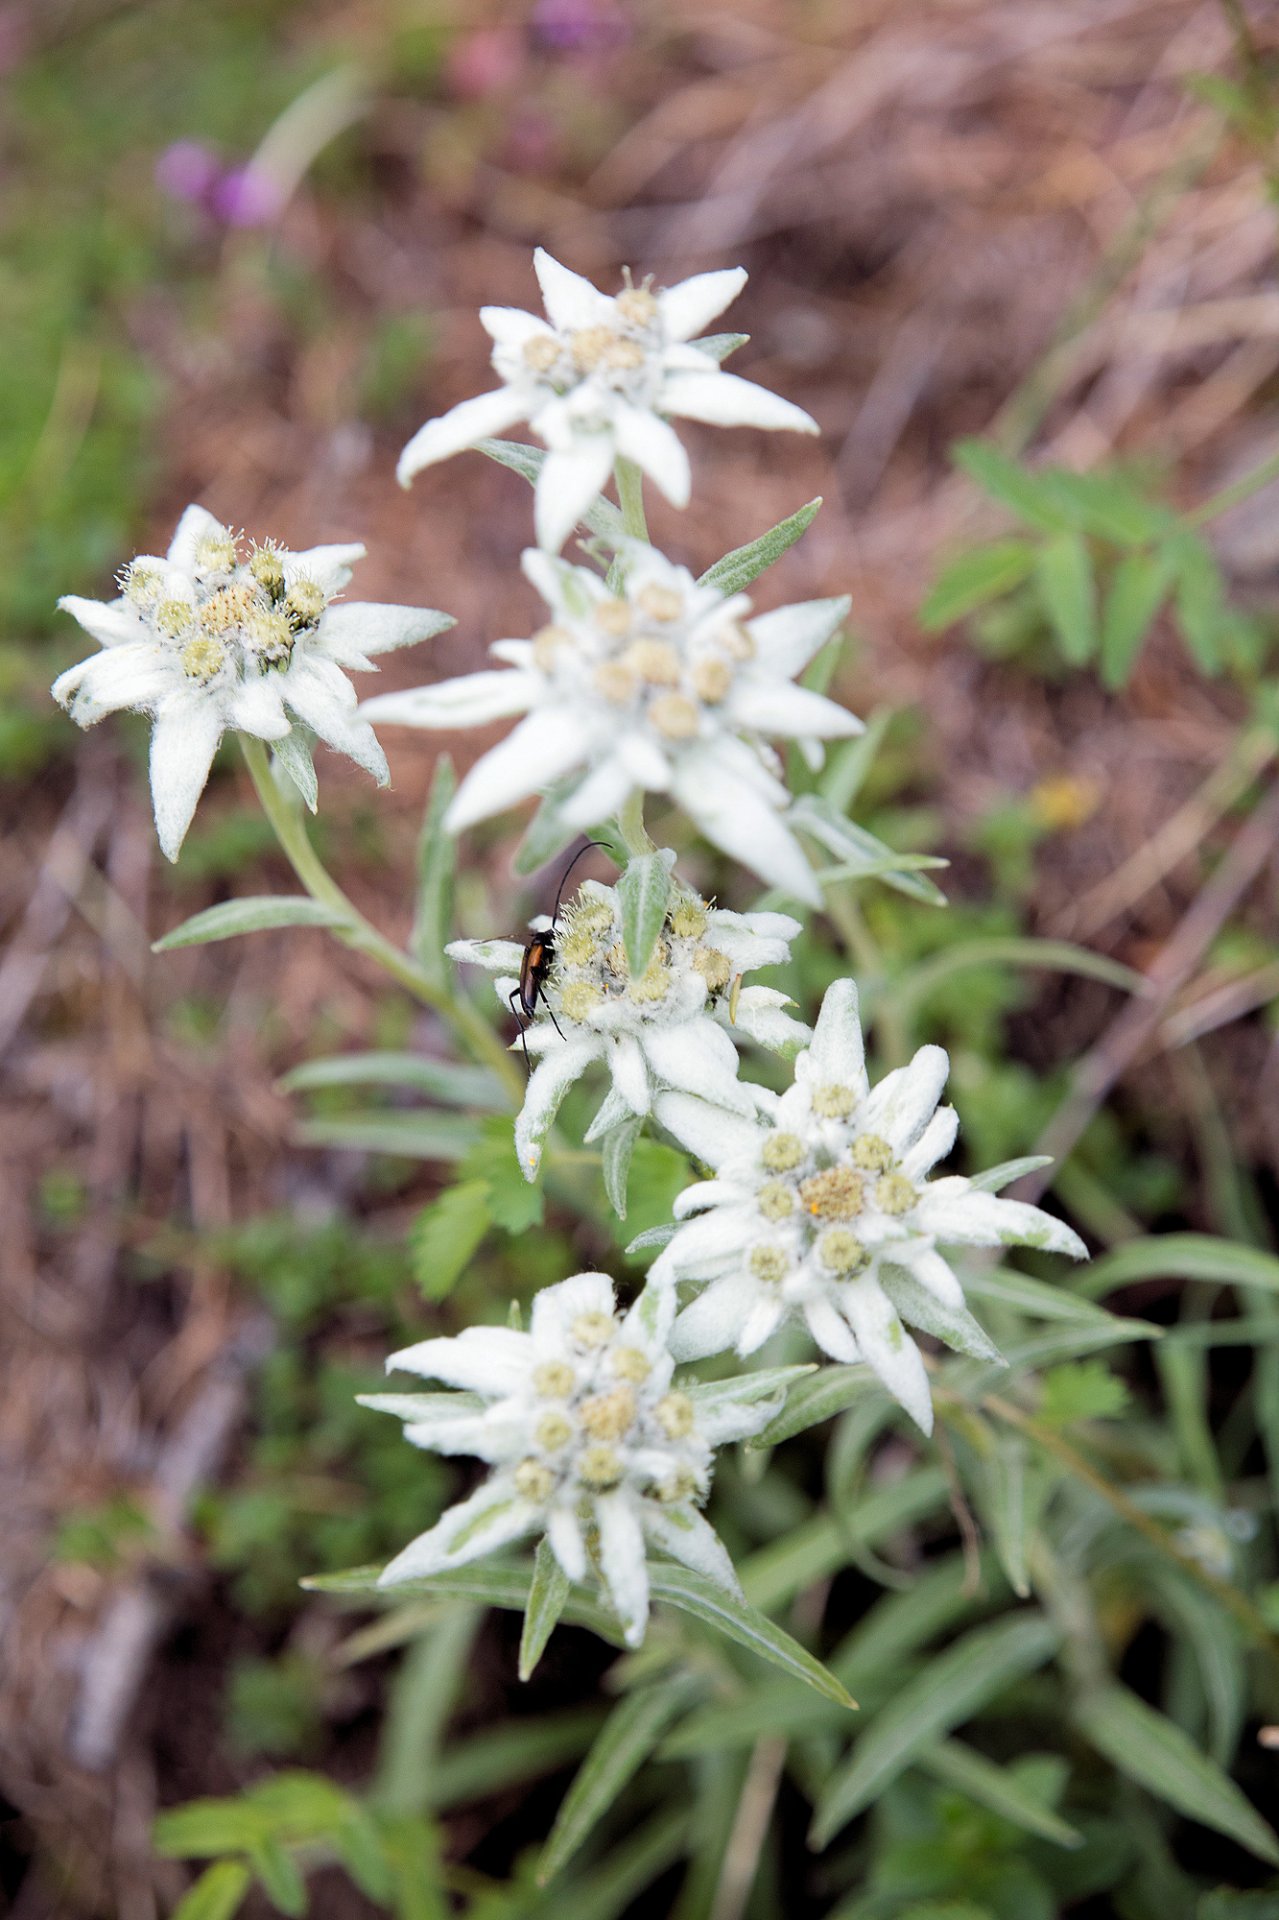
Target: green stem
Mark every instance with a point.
(630, 497)
(360, 934)
(630, 823)
(1231, 496)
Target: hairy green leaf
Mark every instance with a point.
(627, 1738)
(603, 518)
(1001, 1789)
(255, 913)
(643, 892)
(436, 868)
(975, 578)
(414, 1136)
(546, 1597)
(737, 569)
(694, 1594)
(445, 1080)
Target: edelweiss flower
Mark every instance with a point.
(822, 1210)
(665, 685)
(665, 1030)
(598, 378)
(588, 1440)
(205, 640)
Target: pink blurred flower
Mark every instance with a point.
(489, 60)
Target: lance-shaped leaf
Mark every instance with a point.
(292, 755)
(617, 1148)
(256, 913)
(627, 1738)
(643, 891)
(546, 1597)
(436, 867)
(739, 1621)
(737, 569)
(829, 1391)
(414, 1136)
(1004, 1790)
(217, 1894)
(1154, 1751)
(445, 1080)
(949, 1690)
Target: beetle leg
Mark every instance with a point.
(515, 1003)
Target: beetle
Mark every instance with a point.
(538, 959)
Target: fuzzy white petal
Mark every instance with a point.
(688, 308)
(947, 1320)
(630, 1074)
(831, 1333)
(567, 1543)
(550, 742)
(732, 815)
(777, 708)
(472, 700)
(112, 624)
(657, 449)
(713, 1321)
(887, 1348)
(933, 1144)
(904, 1102)
(684, 1535)
(314, 700)
(954, 1211)
(548, 1083)
(788, 637)
(352, 629)
(712, 1134)
(726, 400)
(623, 1562)
(599, 796)
(570, 481)
(698, 1057)
(462, 426)
(183, 743)
(508, 1518)
(570, 300)
(196, 524)
(481, 1360)
(837, 1056)
(556, 1307)
(257, 708)
(328, 566)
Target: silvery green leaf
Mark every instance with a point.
(602, 519)
(737, 569)
(1008, 1508)
(947, 1692)
(1159, 1756)
(860, 854)
(653, 1237)
(643, 891)
(746, 1625)
(445, 1080)
(256, 913)
(996, 1178)
(742, 1389)
(415, 1136)
(293, 756)
(819, 1397)
(618, 1146)
(547, 833)
(998, 1788)
(436, 866)
(546, 1597)
(625, 1741)
(720, 345)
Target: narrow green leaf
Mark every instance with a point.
(1058, 956)
(422, 1700)
(1047, 1349)
(445, 1080)
(766, 1711)
(995, 1179)
(1064, 573)
(547, 833)
(1200, 599)
(1135, 596)
(256, 913)
(414, 1855)
(436, 868)
(216, 1894)
(603, 518)
(205, 1827)
(1007, 1511)
(745, 1388)
(1154, 1752)
(997, 1788)
(510, 1754)
(975, 578)
(720, 345)
(821, 1546)
(616, 1148)
(859, 853)
(643, 891)
(1026, 494)
(1181, 1256)
(952, 1688)
(493, 1586)
(1008, 1288)
(360, 1847)
(890, 1636)
(546, 1597)
(694, 1594)
(737, 569)
(445, 1235)
(293, 756)
(820, 1397)
(627, 1738)
(279, 1876)
(414, 1136)
(1104, 504)
(848, 766)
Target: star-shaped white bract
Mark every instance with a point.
(600, 377)
(588, 1440)
(208, 640)
(821, 1210)
(672, 1028)
(665, 685)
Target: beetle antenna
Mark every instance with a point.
(581, 852)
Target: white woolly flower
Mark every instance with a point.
(665, 685)
(588, 1440)
(672, 1028)
(821, 1210)
(600, 377)
(206, 640)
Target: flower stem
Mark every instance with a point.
(1219, 503)
(630, 496)
(356, 932)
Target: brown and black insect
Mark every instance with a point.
(537, 961)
